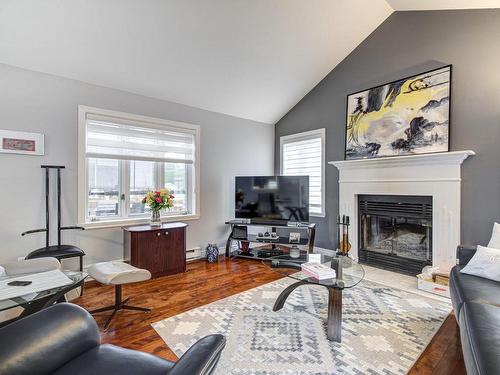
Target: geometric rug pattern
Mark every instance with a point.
(384, 330)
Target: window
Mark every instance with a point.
(303, 154)
(123, 156)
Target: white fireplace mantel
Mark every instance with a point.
(437, 175)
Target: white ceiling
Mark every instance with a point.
(253, 59)
(442, 4)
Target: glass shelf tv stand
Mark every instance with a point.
(252, 246)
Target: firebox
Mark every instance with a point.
(395, 232)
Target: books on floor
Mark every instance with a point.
(318, 271)
(442, 278)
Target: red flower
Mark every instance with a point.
(171, 196)
(158, 200)
(157, 193)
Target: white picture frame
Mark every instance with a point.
(25, 143)
(294, 237)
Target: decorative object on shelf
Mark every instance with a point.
(212, 252)
(239, 232)
(294, 237)
(294, 252)
(267, 237)
(404, 117)
(14, 142)
(245, 248)
(343, 235)
(157, 201)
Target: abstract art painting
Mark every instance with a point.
(404, 117)
(15, 142)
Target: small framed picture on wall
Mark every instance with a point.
(14, 142)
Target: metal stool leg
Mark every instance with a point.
(119, 305)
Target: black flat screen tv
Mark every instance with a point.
(272, 199)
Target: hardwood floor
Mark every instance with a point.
(444, 353)
(208, 282)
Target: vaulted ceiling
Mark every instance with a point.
(253, 59)
(442, 4)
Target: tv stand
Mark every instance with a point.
(268, 247)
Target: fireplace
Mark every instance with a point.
(429, 175)
(395, 232)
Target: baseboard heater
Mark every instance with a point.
(194, 253)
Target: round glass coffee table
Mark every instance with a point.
(348, 274)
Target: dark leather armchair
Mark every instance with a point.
(64, 339)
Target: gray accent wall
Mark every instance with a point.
(408, 43)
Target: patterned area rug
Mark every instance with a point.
(384, 330)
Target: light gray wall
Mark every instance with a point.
(409, 43)
(36, 102)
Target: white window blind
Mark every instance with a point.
(122, 156)
(114, 138)
(302, 155)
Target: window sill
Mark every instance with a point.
(318, 214)
(137, 221)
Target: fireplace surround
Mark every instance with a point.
(431, 175)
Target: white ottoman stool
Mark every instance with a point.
(117, 273)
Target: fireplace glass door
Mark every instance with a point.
(404, 237)
(395, 232)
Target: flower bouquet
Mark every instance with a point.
(157, 201)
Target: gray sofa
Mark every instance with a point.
(476, 302)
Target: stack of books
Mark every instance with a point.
(318, 271)
(441, 278)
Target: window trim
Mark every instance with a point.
(302, 137)
(82, 169)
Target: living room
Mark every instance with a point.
(250, 187)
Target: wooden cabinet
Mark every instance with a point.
(160, 250)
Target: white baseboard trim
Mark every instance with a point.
(324, 251)
(328, 252)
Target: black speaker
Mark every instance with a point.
(240, 232)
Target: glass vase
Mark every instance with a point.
(155, 218)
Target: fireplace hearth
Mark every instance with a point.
(395, 232)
